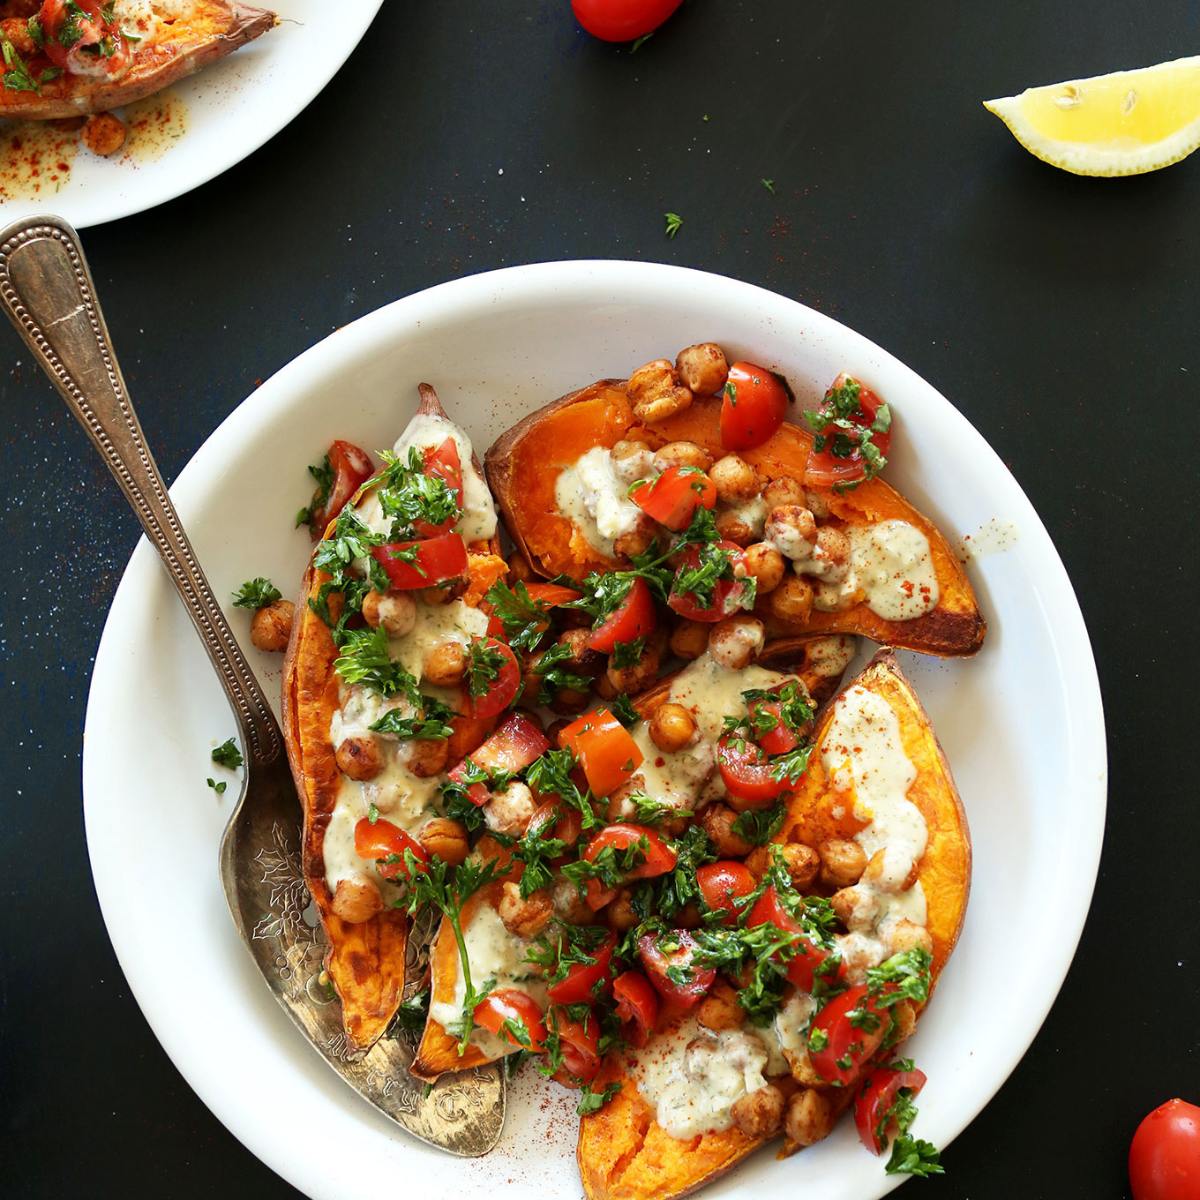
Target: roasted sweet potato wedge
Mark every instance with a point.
(524, 464)
(623, 1153)
(365, 960)
(176, 44)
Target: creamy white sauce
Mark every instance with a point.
(830, 656)
(694, 1076)
(891, 569)
(591, 495)
(494, 954)
(752, 513)
(478, 520)
(789, 1030)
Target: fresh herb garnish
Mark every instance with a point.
(590, 1101)
(913, 1156)
(535, 849)
(759, 825)
(839, 428)
(412, 1012)
(628, 654)
(410, 497)
(550, 775)
(674, 223)
(525, 620)
(622, 708)
(228, 755)
(256, 593)
(219, 788)
(364, 658)
(17, 76)
(769, 184)
(484, 663)
(554, 677)
(430, 723)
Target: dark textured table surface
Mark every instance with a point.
(1058, 313)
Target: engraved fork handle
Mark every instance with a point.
(47, 291)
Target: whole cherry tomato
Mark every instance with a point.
(752, 406)
(1164, 1156)
(622, 20)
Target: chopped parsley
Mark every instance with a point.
(219, 788)
(550, 775)
(323, 473)
(412, 1012)
(554, 677)
(590, 1101)
(431, 723)
(535, 849)
(484, 664)
(628, 654)
(228, 755)
(912, 1156)
(364, 658)
(17, 75)
(674, 223)
(411, 498)
(769, 184)
(759, 825)
(525, 620)
(622, 708)
(256, 593)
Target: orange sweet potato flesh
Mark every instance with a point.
(623, 1153)
(209, 30)
(365, 961)
(525, 463)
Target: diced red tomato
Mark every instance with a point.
(657, 859)
(351, 468)
(622, 20)
(434, 560)
(579, 1042)
(567, 822)
(1164, 1156)
(723, 882)
(633, 618)
(604, 748)
(674, 496)
(502, 690)
(727, 596)
(382, 840)
(753, 406)
(510, 1004)
(877, 1096)
(92, 29)
(515, 744)
(657, 962)
(746, 773)
(585, 980)
(824, 469)
(443, 462)
(839, 1045)
(637, 1006)
(802, 969)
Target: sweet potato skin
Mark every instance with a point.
(623, 1154)
(524, 464)
(213, 29)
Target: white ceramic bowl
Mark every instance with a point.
(1022, 723)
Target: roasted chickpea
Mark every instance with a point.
(720, 1008)
(803, 1072)
(830, 556)
(758, 861)
(641, 675)
(16, 31)
(856, 907)
(443, 593)
(524, 917)
(356, 900)
(791, 602)
(359, 757)
(104, 134)
(816, 504)
(733, 528)
(718, 820)
(759, 1113)
(735, 479)
(682, 454)
(636, 541)
(620, 914)
(703, 368)
(554, 729)
(271, 626)
(672, 727)
(604, 688)
(632, 461)
(891, 870)
(737, 641)
(427, 757)
(395, 612)
(783, 491)
(520, 568)
(765, 564)
(445, 664)
(656, 392)
(803, 863)
(809, 1118)
(842, 862)
(445, 839)
(908, 935)
(583, 660)
(509, 810)
(790, 528)
(689, 639)
(570, 906)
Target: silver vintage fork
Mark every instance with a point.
(47, 291)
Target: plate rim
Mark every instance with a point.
(1087, 742)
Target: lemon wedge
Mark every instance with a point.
(1125, 123)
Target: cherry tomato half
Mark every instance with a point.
(518, 742)
(509, 1004)
(579, 1042)
(91, 29)
(1164, 1156)
(422, 564)
(840, 1045)
(605, 749)
(723, 882)
(746, 773)
(657, 961)
(637, 1006)
(502, 689)
(781, 739)
(633, 618)
(877, 1096)
(351, 468)
(442, 462)
(809, 957)
(674, 496)
(584, 980)
(825, 469)
(727, 595)
(752, 406)
(622, 20)
(657, 859)
(382, 840)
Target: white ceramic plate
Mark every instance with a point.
(1022, 723)
(230, 109)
